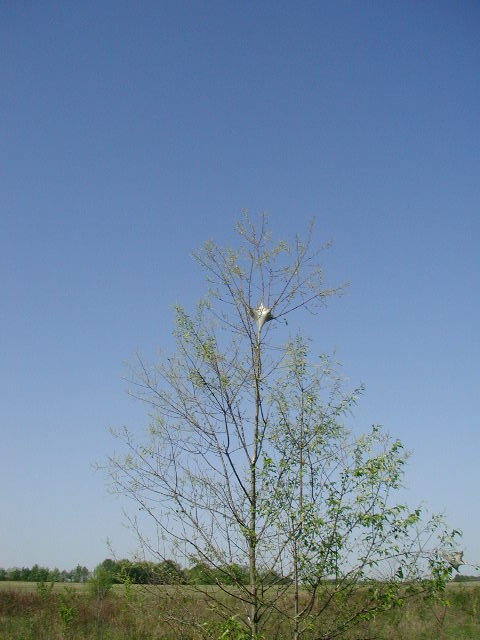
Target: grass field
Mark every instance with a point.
(70, 612)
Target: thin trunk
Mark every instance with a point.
(296, 603)
(252, 537)
(296, 577)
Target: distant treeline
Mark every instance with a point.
(42, 574)
(170, 572)
(144, 572)
(141, 572)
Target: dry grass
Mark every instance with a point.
(162, 613)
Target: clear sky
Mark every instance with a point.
(133, 131)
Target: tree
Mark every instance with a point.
(200, 574)
(79, 574)
(248, 463)
(101, 581)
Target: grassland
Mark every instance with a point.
(71, 612)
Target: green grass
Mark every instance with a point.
(70, 612)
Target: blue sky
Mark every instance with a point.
(132, 132)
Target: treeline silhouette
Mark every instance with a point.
(170, 572)
(42, 574)
(141, 572)
(461, 578)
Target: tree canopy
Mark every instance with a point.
(248, 469)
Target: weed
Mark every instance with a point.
(44, 589)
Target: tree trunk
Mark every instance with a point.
(252, 534)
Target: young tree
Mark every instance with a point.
(247, 461)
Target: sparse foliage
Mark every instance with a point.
(248, 462)
(100, 584)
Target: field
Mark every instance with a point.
(71, 612)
